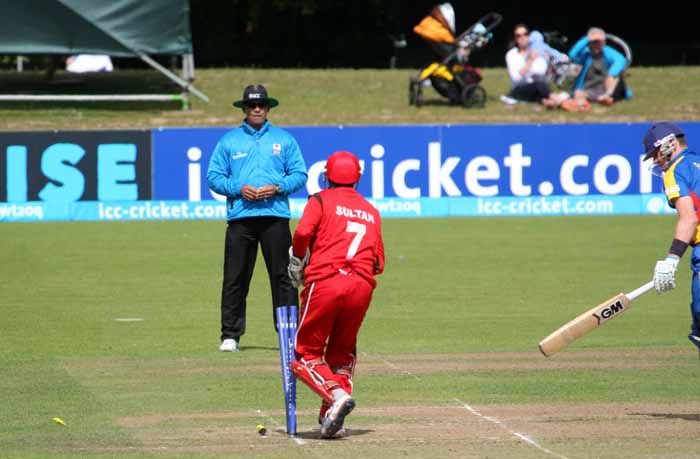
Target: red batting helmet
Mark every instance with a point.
(343, 168)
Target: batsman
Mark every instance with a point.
(336, 251)
(666, 145)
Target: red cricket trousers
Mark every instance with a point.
(332, 312)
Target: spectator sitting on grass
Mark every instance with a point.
(527, 69)
(600, 79)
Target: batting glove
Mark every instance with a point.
(665, 274)
(296, 266)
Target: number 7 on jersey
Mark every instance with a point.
(360, 230)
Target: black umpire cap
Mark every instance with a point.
(256, 93)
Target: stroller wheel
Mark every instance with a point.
(473, 96)
(412, 92)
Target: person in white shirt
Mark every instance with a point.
(527, 69)
(83, 63)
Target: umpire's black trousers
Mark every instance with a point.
(242, 239)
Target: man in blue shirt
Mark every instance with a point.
(665, 143)
(256, 166)
(600, 79)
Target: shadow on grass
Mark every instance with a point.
(437, 101)
(316, 434)
(683, 416)
(263, 348)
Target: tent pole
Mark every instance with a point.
(182, 83)
(188, 67)
(187, 75)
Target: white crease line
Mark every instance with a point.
(298, 440)
(500, 424)
(519, 435)
(395, 367)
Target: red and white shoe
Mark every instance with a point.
(335, 417)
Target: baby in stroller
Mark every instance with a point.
(561, 70)
(452, 78)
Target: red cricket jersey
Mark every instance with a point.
(343, 232)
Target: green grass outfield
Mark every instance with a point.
(311, 97)
(448, 361)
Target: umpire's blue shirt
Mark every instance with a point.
(244, 156)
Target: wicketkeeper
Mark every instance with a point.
(665, 143)
(337, 249)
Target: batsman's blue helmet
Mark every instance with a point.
(656, 133)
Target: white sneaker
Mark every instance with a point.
(335, 417)
(229, 345)
(508, 100)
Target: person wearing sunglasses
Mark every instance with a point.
(527, 69)
(256, 166)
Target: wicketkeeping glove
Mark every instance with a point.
(296, 266)
(665, 274)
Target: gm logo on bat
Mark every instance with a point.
(609, 311)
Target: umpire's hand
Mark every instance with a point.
(267, 191)
(249, 193)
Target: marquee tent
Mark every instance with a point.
(124, 28)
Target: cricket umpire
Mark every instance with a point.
(256, 166)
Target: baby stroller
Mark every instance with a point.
(452, 77)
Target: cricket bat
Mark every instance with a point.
(590, 320)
